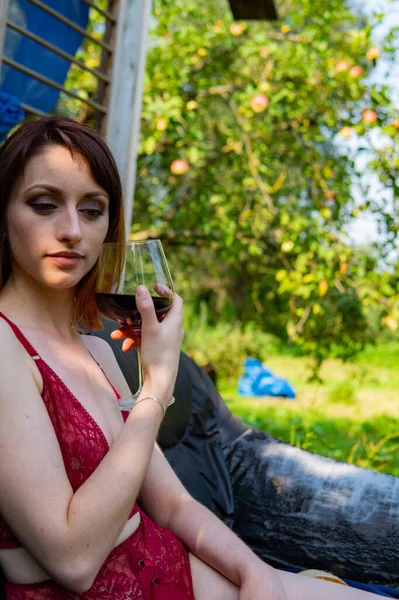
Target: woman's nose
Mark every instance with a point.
(69, 226)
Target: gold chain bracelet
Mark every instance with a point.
(150, 397)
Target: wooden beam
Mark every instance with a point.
(126, 90)
(259, 10)
(3, 21)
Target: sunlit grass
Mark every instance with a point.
(353, 416)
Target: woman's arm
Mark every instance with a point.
(217, 546)
(196, 526)
(70, 534)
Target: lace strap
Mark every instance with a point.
(26, 344)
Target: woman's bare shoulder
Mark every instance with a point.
(10, 346)
(6, 332)
(15, 361)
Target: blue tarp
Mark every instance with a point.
(28, 53)
(10, 114)
(260, 381)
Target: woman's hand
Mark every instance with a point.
(159, 342)
(262, 584)
(127, 332)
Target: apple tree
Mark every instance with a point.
(247, 166)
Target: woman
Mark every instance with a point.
(71, 468)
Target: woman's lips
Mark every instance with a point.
(66, 261)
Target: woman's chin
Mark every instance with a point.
(61, 283)
(61, 279)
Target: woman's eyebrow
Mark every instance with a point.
(55, 190)
(44, 186)
(97, 193)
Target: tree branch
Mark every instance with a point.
(251, 158)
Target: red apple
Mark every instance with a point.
(369, 116)
(390, 322)
(373, 53)
(342, 65)
(179, 167)
(236, 29)
(259, 103)
(346, 132)
(356, 71)
(162, 124)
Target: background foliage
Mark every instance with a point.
(247, 167)
(256, 211)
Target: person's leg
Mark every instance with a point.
(299, 587)
(208, 584)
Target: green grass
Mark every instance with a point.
(352, 417)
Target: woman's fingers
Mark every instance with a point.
(163, 291)
(177, 305)
(118, 334)
(123, 332)
(145, 306)
(128, 344)
(166, 292)
(126, 334)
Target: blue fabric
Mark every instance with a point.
(10, 114)
(380, 590)
(34, 56)
(260, 381)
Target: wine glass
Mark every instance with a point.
(121, 268)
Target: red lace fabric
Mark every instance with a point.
(152, 564)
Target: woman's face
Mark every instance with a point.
(57, 219)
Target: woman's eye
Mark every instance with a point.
(92, 213)
(43, 207)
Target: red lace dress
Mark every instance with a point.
(152, 564)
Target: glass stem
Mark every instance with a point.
(127, 402)
(140, 372)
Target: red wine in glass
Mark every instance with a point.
(121, 307)
(122, 267)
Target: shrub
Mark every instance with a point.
(224, 344)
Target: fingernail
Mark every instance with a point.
(141, 291)
(162, 289)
